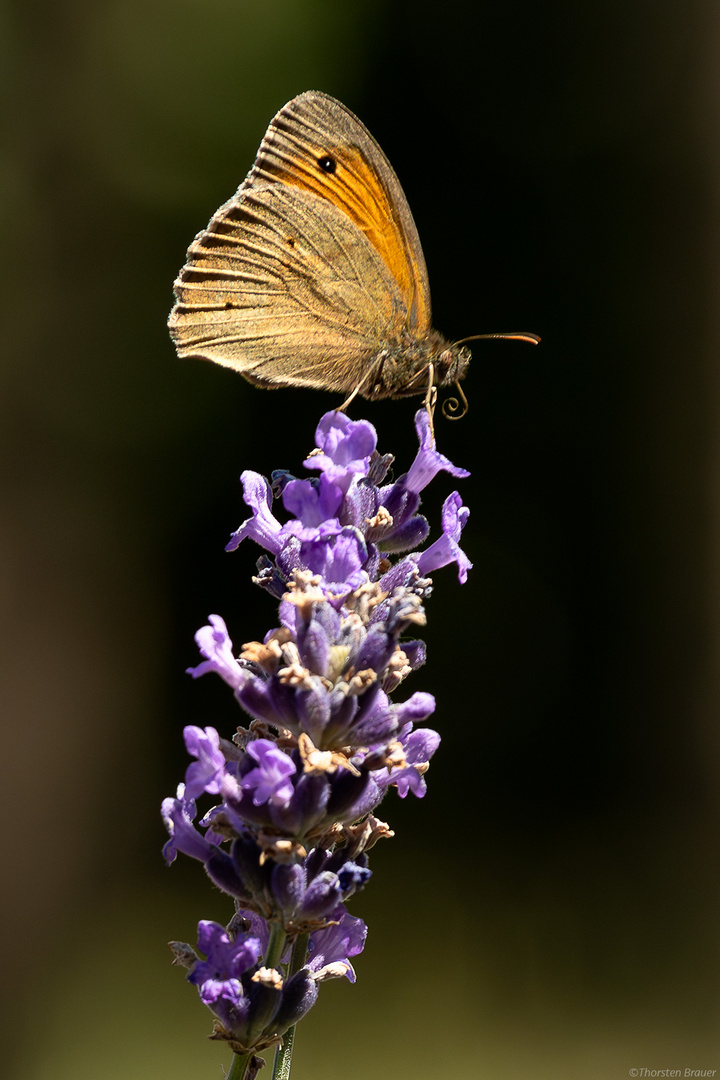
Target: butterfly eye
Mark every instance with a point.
(327, 164)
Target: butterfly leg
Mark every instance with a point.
(431, 398)
(356, 391)
(373, 374)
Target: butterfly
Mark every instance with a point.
(312, 274)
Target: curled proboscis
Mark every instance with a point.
(454, 409)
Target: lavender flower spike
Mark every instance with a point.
(292, 791)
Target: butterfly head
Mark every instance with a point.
(452, 364)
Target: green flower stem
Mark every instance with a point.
(238, 1065)
(283, 1054)
(276, 945)
(299, 953)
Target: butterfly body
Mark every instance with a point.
(313, 274)
(406, 368)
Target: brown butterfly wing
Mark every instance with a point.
(282, 288)
(304, 275)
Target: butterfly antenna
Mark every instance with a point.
(452, 409)
(520, 335)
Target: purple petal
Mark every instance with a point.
(337, 557)
(346, 446)
(227, 959)
(263, 526)
(338, 943)
(178, 815)
(269, 782)
(312, 503)
(428, 462)
(213, 990)
(214, 643)
(416, 709)
(203, 774)
(419, 747)
(446, 549)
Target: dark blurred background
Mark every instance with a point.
(550, 909)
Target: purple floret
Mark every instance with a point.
(269, 780)
(446, 549)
